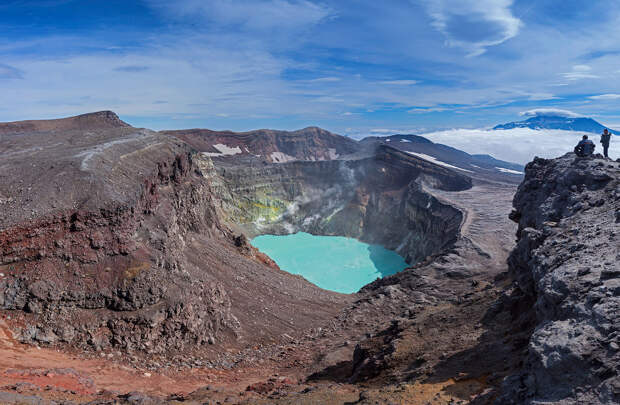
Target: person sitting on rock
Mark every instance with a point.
(605, 138)
(585, 147)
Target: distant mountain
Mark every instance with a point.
(447, 156)
(562, 122)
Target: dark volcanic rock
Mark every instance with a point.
(566, 265)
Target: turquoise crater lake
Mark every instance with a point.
(333, 263)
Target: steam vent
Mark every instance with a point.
(129, 272)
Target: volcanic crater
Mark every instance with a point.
(124, 254)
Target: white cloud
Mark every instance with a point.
(549, 111)
(325, 80)
(195, 80)
(580, 72)
(582, 68)
(541, 96)
(473, 25)
(518, 145)
(400, 82)
(610, 96)
(427, 110)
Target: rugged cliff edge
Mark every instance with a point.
(567, 270)
(377, 199)
(110, 240)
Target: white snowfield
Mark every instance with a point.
(504, 170)
(279, 157)
(224, 150)
(405, 140)
(434, 160)
(332, 154)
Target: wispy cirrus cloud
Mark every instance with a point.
(427, 110)
(253, 15)
(242, 64)
(473, 25)
(580, 72)
(609, 96)
(405, 82)
(329, 79)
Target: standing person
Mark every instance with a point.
(585, 147)
(605, 138)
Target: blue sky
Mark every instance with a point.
(353, 67)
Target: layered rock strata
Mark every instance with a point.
(378, 199)
(110, 238)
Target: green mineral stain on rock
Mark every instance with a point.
(333, 263)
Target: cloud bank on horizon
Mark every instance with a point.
(518, 145)
(345, 66)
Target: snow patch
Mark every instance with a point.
(405, 140)
(224, 150)
(504, 170)
(279, 157)
(332, 154)
(434, 160)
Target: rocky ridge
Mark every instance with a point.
(566, 266)
(311, 144)
(90, 121)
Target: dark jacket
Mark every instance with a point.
(605, 138)
(585, 148)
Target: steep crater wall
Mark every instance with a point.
(378, 199)
(116, 276)
(119, 245)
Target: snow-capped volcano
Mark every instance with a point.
(557, 119)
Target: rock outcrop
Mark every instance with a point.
(567, 270)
